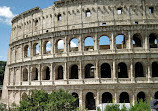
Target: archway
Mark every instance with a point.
(47, 47)
(90, 101)
(105, 70)
(154, 69)
(36, 48)
(141, 96)
(89, 44)
(137, 40)
(25, 75)
(124, 97)
(89, 71)
(24, 95)
(156, 95)
(106, 97)
(34, 74)
(153, 40)
(120, 42)
(77, 97)
(74, 45)
(139, 71)
(74, 72)
(104, 43)
(122, 70)
(60, 73)
(60, 46)
(46, 73)
(26, 51)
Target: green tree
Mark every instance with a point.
(41, 101)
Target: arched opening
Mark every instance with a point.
(122, 70)
(24, 95)
(104, 43)
(154, 69)
(156, 95)
(36, 48)
(106, 97)
(25, 75)
(120, 42)
(47, 47)
(90, 101)
(46, 73)
(105, 70)
(34, 74)
(139, 71)
(77, 97)
(74, 72)
(60, 46)
(74, 45)
(89, 44)
(141, 96)
(89, 71)
(26, 51)
(124, 97)
(60, 73)
(153, 41)
(137, 40)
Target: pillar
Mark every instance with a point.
(113, 42)
(65, 73)
(149, 71)
(81, 99)
(97, 70)
(98, 98)
(96, 42)
(114, 70)
(29, 75)
(21, 75)
(146, 42)
(131, 71)
(115, 98)
(129, 41)
(80, 71)
(41, 47)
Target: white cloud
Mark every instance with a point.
(6, 15)
(60, 44)
(73, 44)
(2, 58)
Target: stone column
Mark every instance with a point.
(52, 46)
(115, 97)
(21, 75)
(96, 42)
(146, 42)
(149, 71)
(129, 41)
(81, 99)
(98, 98)
(65, 45)
(132, 72)
(40, 74)
(14, 76)
(97, 70)
(29, 75)
(30, 50)
(65, 73)
(80, 71)
(41, 48)
(114, 70)
(113, 42)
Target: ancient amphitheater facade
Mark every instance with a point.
(98, 72)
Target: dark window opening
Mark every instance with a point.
(89, 71)
(88, 13)
(151, 10)
(105, 71)
(137, 41)
(36, 22)
(47, 31)
(90, 101)
(136, 22)
(74, 72)
(103, 24)
(77, 97)
(46, 74)
(59, 17)
(122, 70)
(141, 96)
(139, 70)
(153, 41)
(119, 11)
(156, 95)
(107, 97)
(154, 69)
(124, 97)
(34, 74)
(60, 72)
(25, 75)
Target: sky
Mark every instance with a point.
(9, 9)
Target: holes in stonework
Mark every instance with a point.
(151, 10)
(119, 11)
(136, 22)
(59, 17)
(88, 13)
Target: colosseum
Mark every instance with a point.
(99, 50)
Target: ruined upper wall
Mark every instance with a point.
(73, 16)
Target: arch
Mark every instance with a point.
(137, 40)
(120, 41)
(59, 73)
(25, 75)
(74, 45)
(26, 51)
(46, 73)
(89, 71)
(74, 72)
(139, 71)
(47, 47)
(104, 43)
(24, 95)
(90, 101)
(141, 95)
(36, 48)
(122, 70)
(77, 97)
(105, 70)
(60, 46)
(153, 40)
(89, 44)
(124, 97)
(106, 97)
(34, 74)
(156, 95)
(155, 69)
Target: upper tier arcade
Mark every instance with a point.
(79, 14)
